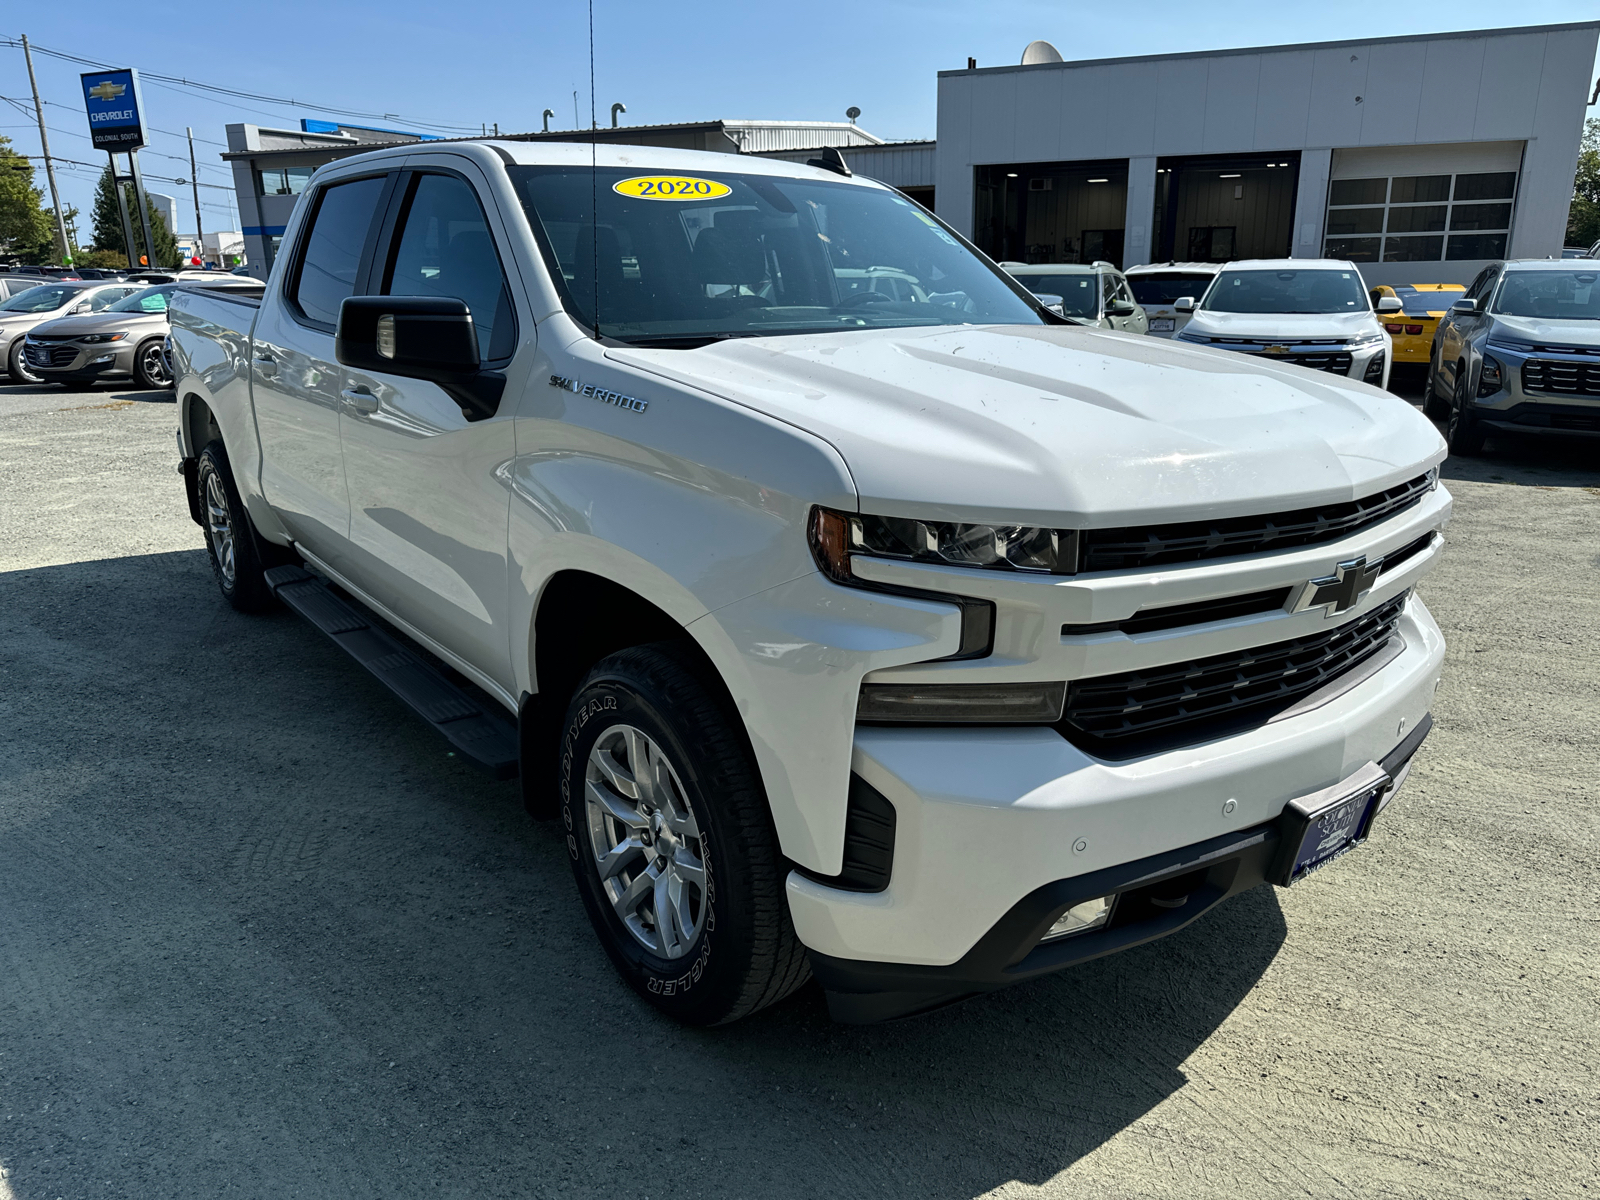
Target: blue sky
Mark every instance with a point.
(466, 64)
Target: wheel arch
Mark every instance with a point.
(578, 618)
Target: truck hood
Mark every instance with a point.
(1546, 332)
(1064, 426)
(1283, 325)
(99, 323)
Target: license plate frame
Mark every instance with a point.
(1323, 827)
(1161, 324)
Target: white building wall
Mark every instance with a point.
(1526, 85)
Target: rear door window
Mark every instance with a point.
(444, 248)
(333, 247)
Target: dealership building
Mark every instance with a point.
(1420, 158)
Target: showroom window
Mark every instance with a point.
(283, 181)
(1420, 218)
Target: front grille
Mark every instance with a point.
(1333, 363)
(1159, 545)
(49, 356)
(1178, 704)
(1562, 378)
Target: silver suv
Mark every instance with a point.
(1094, 294)
(1520, 352)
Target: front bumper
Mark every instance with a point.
(1156, 896)
(87, 362)
(993, 823)
(1515, 408)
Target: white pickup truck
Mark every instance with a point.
(908, 639)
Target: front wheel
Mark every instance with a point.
(671, 842)
(150, 366)
(230, 542)
(18, 367)
(1462, 431)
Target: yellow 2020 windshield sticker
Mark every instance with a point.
(670, 187)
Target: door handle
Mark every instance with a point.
(266, 363)
(360, 400)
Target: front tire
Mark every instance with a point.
(19, 370)
(230, 541)
(671, 841)
(1433, 404)
(1462, 431)
(150, 367)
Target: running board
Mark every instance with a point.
(479, 733)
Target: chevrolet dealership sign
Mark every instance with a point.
(116, 120)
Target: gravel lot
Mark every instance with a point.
(260, 936)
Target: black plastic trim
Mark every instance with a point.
(869, 829)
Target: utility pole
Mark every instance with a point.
(194, 179)
(49, 167)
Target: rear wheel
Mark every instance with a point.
(1462, 431)
(671, 842)
(230, 541)
(20, 371)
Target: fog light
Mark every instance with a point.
(101, 359)
(957, 703)
(1080, 918)
(1374, 371)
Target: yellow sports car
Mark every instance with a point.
(1412, 328)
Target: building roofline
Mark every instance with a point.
(1238, 50)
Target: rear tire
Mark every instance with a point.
(671, 841)
(231, 542)
(1463, 433)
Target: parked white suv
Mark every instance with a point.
(1310, 312)
(912, 639)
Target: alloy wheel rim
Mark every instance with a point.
(647, 845)
(1457, 409)
(219, 524)
(155, 367)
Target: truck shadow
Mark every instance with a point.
(241, 884)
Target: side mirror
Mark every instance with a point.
(81, 308)
(419, 337)
(1184, 304)
(1464, 306)
(1121, 308)
(1389, 304)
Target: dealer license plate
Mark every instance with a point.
(1323, 827)
(1160, 324)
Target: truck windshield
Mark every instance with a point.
(39, 299)
(1547, 295)
(687, 259)
(1282, 292)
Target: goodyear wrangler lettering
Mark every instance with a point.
(670, 187)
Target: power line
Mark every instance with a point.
(214, 89)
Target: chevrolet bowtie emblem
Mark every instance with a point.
(107, 90)
(1341, 591)
(1277, 349)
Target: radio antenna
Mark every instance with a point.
(594, 182)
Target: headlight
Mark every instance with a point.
(1491, 379)
(836, 536)
(1512, 346)
(1365, 341)
(1183, 335)
(94, 339)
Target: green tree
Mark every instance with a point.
(25, 226)
(1583, 218)
(108, 224)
